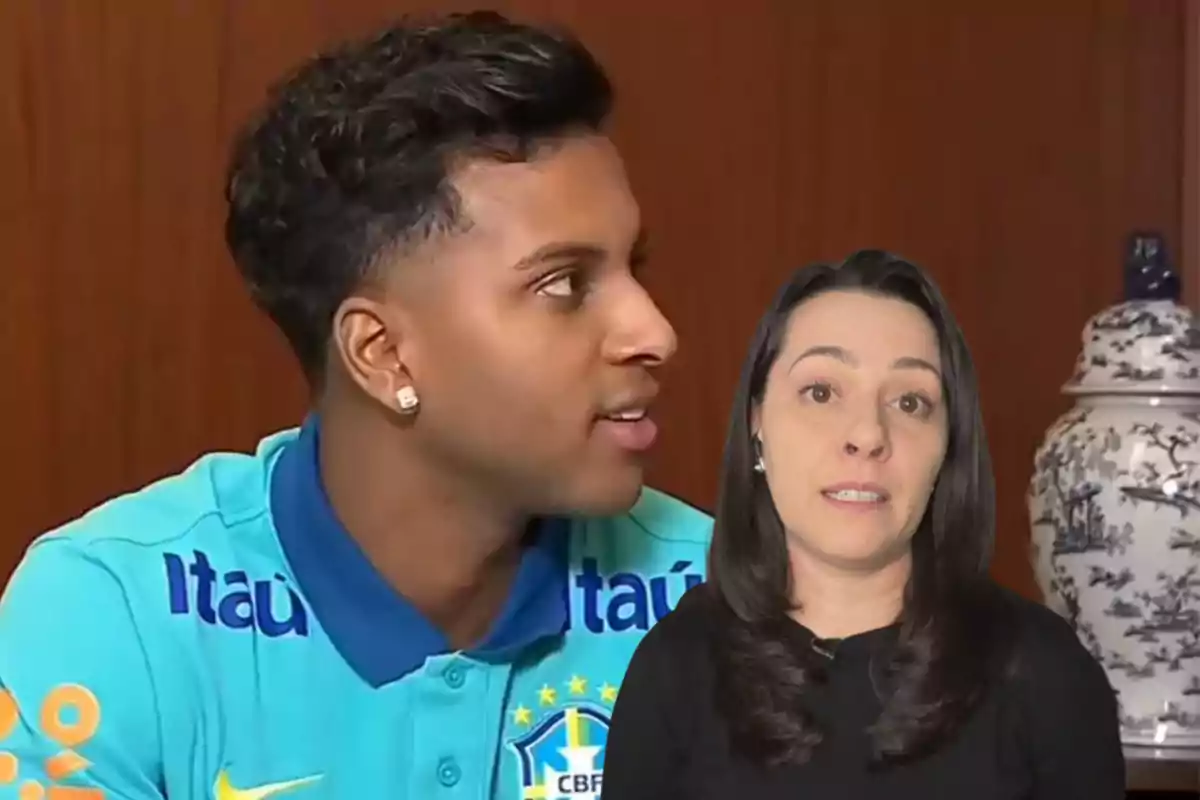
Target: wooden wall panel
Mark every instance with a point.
(1190, 175)
(1007, 146)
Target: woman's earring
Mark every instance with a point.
(759, 466)
(407, 400)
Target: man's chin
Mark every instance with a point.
(614, 495)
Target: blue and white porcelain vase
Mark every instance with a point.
(1115, 503)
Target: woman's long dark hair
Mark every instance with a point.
(949, 628)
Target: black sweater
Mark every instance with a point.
(1049, 731)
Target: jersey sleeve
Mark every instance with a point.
(77, 706)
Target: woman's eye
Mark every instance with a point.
(818, 392)
(913, 404)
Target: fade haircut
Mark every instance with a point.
(351, 156)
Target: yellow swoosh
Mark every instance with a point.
(224, 790)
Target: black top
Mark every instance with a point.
(1049, 731)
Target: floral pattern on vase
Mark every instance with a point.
(1106, 490)
(1138, 347)
(1114, 502)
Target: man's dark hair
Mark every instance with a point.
(349, 160)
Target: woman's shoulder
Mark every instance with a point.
(1042, 638)
(687, 629)
(1049, 664)
(673, 660)
(1062, 706)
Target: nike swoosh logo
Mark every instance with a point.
(223, 789)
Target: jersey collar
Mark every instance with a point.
(375, 629)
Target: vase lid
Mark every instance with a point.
(1147, 344)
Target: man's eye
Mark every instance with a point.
(564, 285)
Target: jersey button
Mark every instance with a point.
(448, 772)
(455, 676)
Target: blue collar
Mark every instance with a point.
(379, 633)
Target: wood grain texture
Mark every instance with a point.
(1007, 146)
(1190, 182)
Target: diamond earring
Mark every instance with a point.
(407, 400)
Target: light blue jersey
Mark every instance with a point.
(219, 635)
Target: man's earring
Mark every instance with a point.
(407, 400)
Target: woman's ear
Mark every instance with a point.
(756, 421)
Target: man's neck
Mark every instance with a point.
(836, 602)
(452, 555)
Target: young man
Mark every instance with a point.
(433, 587)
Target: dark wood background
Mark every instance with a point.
(1009, 146)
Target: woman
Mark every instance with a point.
(849, 643)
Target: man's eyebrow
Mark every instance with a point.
(580, 251)
(560, 251)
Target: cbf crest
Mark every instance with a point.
(559, 740)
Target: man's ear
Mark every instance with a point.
(368, 339)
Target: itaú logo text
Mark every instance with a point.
(231, 599)
(624, 601)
